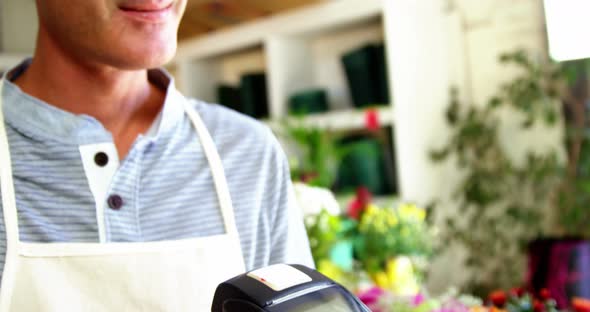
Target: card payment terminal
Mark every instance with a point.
(285, 288)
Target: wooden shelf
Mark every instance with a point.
(301, 50)
(304, 21)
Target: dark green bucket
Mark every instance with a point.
(364, 165)
(308, 102)
(254, 99)
(366, 74)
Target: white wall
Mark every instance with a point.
(19, 26)
(427, 57)
(488, 27)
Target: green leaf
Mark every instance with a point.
(495, 102)
(439, 155)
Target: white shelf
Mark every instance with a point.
(298, 51)
(302, 50)
(379, 200)
(346, 120)
(200, 78)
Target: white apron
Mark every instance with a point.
(177, 276)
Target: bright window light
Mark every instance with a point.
(568, 29)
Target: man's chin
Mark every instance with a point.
(145, 60)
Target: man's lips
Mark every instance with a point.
(145, 6)
(148, 12)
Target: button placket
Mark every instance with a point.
(115, 202)
(101, 159)
(120, 202)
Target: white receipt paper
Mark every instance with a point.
(279, 276)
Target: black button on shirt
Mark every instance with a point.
(115, 202)
(101, 159)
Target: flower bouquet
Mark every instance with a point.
(520, 300)
(379, 300)
(370, 245)
(517, 300)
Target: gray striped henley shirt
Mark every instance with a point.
(163, 189)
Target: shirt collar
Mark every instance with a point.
(41, 120)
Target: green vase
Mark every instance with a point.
(362, 166)
(308, 102)
(254, 99)
(366, 74)
(229, 96)
(382, 84)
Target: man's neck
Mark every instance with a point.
(124, 101)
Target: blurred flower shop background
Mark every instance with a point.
(440, 149)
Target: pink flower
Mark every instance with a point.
(452, 305)
(372, 120)
(371, 296)
(359, 203)
(418, 300)
(355, 208)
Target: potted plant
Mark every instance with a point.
(315, 155)
(562, 262)
(558, 255)
(502, 201)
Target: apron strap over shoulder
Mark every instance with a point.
(216, 169)
(7, 184)
(9, 211)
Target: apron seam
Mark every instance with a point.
(133, 247)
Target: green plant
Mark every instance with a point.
(574, 195)
(317, 154)
(500, 201)
(372, 242)
(384, 233)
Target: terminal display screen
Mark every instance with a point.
(331, 299)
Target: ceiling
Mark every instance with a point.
(204, 16)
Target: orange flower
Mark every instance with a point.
(496, 309)
(581, 304)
